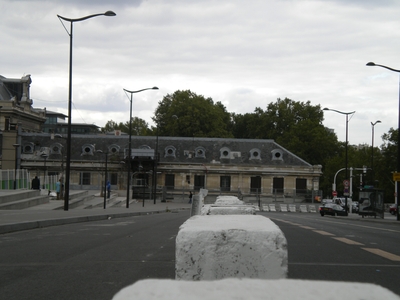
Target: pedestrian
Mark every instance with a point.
(190, 197)
(36, 183)
(58, 188)
(108, 189)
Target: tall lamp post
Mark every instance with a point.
(16, 146)
(371, 64)
(130, 139)
(372, 151)
(346, 159)
(105, 177)
(68, 162)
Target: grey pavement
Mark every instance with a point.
(50, 214)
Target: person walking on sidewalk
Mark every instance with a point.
(108, 189)
(36, 183)
(58, 188)
(190, 197)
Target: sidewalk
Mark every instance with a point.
(46, 215)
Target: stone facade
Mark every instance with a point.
(236, 166)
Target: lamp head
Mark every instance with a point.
(154, 88)
(326, 108)
(371, 64)
(378, 121)
(110, 13)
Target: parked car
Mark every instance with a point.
(325, 201)
(332, 209)
(393, 209)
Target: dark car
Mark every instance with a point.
(393, 209)
(332, 209)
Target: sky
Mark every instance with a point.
(244, 54)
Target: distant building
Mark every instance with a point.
(56, 123)
(16, 115)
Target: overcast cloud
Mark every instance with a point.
(245, 54)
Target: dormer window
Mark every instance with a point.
(200, 152)
(28, 148)
(277, 154)
(170, 151)
(56, 148)
(225, 153)
(87, 149)
(255, 153)
(114, 149)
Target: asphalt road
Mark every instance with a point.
(94, 260)
(341, 249)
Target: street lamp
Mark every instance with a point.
(130, 139)
(372, 151)
(346, 159)
(16, 146)
(105, 177)
(68, 163)
(371, 64)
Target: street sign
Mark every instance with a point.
(396, 176)
(346, 183)
(334, 193)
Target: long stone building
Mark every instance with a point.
(240, 166)
(166, 167)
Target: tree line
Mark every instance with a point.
(297, 126)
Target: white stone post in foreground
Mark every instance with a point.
(221, 246)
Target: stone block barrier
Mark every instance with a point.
(220, 246)
(255, 289)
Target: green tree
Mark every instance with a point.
(186, 114)
(385, 163)
(139, 127)
(110, 126)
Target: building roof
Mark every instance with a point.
(174, 150)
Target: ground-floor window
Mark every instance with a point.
(301, 185)
(114, 178)
(278, 185)
(255, 184)
(84, 178)
(199, 182)
(225, 183)
(169, 181)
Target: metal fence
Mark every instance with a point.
(256, 196)
(22, 179)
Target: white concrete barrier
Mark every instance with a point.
(292, 207)
(284, 207)
(265, 208)
(312, 209)
(242, 246)
(211, 209)
(303, 208)
(272, 207)
(255, 289)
